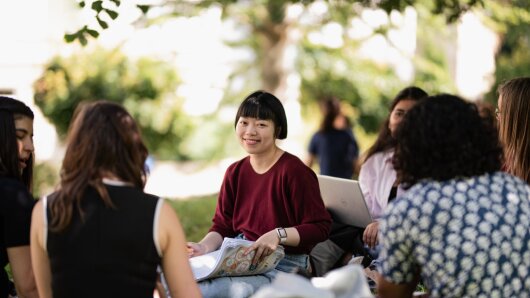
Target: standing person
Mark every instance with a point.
(336, 149)
(513, 114)
(16, 168)
(377, 176)
(462, 226)
(334, 145)
(100, 235)
(269, 197)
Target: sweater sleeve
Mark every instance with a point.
(224, 212)
(314, 220)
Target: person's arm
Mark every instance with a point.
(386, 288)
(212, 241)
(313, 221)
(312, 151)
(175, 263)
(268, 243)
(370, 234)
(41, 263)
(20, 261)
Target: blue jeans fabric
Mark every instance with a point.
(245, 286)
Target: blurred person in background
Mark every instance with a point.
(334, 145)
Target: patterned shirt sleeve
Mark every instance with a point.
(396, 254)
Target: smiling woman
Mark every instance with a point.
(270, 197)
(16, 202)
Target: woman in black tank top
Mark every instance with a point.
(100, 235)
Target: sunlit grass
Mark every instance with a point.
(195, 215)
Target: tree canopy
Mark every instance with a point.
(145, 87)
(365, 85)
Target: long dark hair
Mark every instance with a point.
(384, 140)
(103, 138)
(444, 137)
(11, 109)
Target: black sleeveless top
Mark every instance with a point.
(109, 252)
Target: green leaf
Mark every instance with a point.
(97, 6)
(143, 8)
(117, 2)
(82, 39)
(102, 23)
(112, 14)
(70, 37)
(92, 33)
(82, 4)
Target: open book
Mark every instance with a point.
(230, 261)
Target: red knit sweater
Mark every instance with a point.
(287, 195)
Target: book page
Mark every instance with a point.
(230, 260)
(204, 265)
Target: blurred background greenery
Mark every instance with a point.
(267, 30)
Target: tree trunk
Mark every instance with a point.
(273, 71)
(272, 34)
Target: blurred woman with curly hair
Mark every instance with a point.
(462, 226)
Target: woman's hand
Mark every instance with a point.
(370, 234)
(264, 246)
(196, 249)
(209, 243)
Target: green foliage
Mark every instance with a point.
(431, 61)
(341, 10)
(341, 73)
(145, 87)
(45, 178)
(195, 215)
(513, 58)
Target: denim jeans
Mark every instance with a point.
(245, 286)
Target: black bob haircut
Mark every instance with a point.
(265, 106)
(443, 137)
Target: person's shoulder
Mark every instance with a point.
(10, 187)
(414, 196)
(509, 182)
(291, 160)
(290, 163)
(234, 166)
(376, 160)
(15, 193)
(11, 184)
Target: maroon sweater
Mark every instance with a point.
(287, 195)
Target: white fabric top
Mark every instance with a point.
(376, 178)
